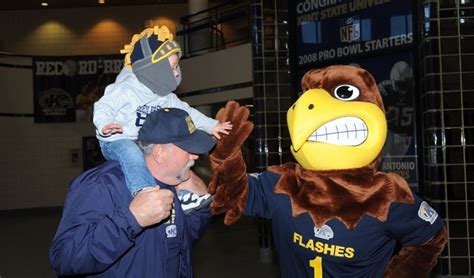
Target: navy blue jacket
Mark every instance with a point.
(99, 237)
(333, 250)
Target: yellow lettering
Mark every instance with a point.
(349, 252)
(329, 248)
(317, 265)
(173, 215)
(324, 248)
(339, 251)
(310, 244)
(296, 237)
(319, 247)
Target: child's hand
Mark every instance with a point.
(221, 128)
(112, 128)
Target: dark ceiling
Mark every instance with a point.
(53, 4)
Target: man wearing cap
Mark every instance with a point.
(105, 232)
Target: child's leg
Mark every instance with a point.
(130, 158)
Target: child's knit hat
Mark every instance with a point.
(148, 55)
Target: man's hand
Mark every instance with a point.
(112, 128)
(151, 206)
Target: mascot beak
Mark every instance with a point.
(330, 133)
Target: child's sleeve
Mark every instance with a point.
(106, 108)
(200, 120)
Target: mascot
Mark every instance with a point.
(333, 214)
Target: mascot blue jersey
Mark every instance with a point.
(333, 250)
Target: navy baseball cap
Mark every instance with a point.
(173, 125)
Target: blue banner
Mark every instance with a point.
(329, 30)
(376, 35)
(395, 78)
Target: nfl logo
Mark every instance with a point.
(350, 29)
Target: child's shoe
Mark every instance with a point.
(191, 201)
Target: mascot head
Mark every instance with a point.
(339, 121)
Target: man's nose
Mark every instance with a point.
(193, 156)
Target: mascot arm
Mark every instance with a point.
(417, 261)
(229, 182)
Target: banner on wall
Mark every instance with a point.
(65, 88)
(329, 30)
(377, 35)
(395, 78)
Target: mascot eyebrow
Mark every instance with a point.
(333, 202)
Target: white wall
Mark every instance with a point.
(35, 160)
(226, 67)
(16, 85)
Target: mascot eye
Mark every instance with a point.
(346, 92)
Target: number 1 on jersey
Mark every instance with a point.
(317, 265)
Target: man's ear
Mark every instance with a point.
(159, 154)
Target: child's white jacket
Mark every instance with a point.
(128, 102)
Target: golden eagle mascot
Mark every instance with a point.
(333, 214)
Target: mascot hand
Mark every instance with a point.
(241, 128)
(417, 261)
(229, 183)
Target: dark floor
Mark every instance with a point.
(222, 252)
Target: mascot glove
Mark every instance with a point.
(417, 261)
(241, 128)
(229, 182)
